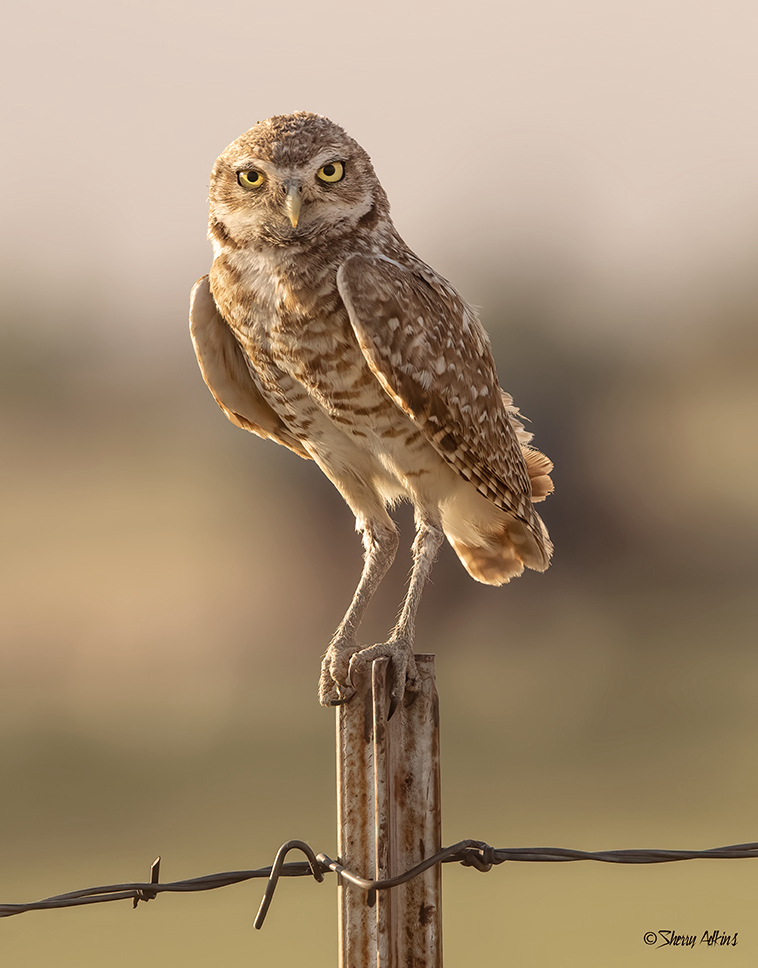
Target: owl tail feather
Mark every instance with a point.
(494, 551)
(538, 467)
(490, 564)
(497, 557)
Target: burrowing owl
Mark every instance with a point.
(320, 329)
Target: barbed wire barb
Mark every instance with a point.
(155, 870)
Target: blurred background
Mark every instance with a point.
(585, 174)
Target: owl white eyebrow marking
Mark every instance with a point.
(256, 164)
(327, 157)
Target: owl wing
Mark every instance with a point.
(431, 354)
(226, 371)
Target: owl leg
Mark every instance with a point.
(399, 646)
(380, 540)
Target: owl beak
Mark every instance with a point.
(293, 202)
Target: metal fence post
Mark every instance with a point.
(389, 819)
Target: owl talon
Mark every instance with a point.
(344, 693)
(341, 701)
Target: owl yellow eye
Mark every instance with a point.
(333, 172)
(250, 179)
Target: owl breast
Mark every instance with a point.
(305, 359)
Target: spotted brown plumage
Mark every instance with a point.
(318, 328)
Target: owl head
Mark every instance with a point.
(292, 179)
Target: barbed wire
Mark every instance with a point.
(469, 853)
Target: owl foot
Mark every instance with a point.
(334, 686)
(402, 670)
(341, 667)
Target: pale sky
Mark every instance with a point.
(620, 136)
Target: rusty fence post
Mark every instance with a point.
(389, 820)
